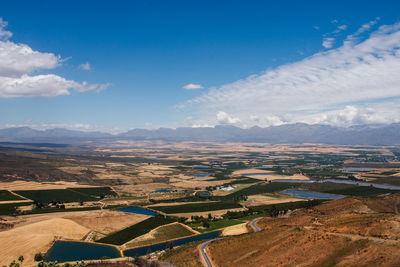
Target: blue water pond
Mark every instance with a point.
(161, 191)
(138, 210)
(201, 167)
(76, 251)
(145, 250)
(204, 174)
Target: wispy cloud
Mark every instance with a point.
(73, 126)
(330, 38)
(356, 82)
(4, 34)
(328, 42)
(353, 38)
(85, 66)
(192, 86)
(367, 26)
(19, 61)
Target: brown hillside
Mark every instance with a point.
(346, 232)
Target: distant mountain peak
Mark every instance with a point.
(287, 133)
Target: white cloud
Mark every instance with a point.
(85, 66)
(225, 118)
(334, 21)
(266, 120)
(367, 26)
(328, 42)
(42, 85)
(4, 34)
(351, 115)
(353, 38)
(192, 86)
(201, 126)
(362, 74)
(19, 61)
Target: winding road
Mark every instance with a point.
(203, 247)
(254, 226)
(206, 260)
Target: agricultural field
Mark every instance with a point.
(161, 234)
(215, 225)
(11, 208)
(197, 207)
(56, 195)
(131, 232)
(8, 196)
(100, 192)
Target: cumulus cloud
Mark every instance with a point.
(42, 85)
(192, 86)
(225, 118)
(266, 120)
(85, 66)
(352, 115)
(362, 74)
(19, 61)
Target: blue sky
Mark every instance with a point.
(248, 62)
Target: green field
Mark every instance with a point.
(11, 208)
(243, 180)
(392, 180)
(162, 234)
(261, 189)
(8, 196)
(62, 195)
(267, 210)
(133, 231)
(198, 207)
(349, 190)
(94, 191)
(214, 225)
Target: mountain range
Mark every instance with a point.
(288, 133)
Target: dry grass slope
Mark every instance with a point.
(346, 232)
(37, 237)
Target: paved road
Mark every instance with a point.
(204, 253)
(254, 226)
